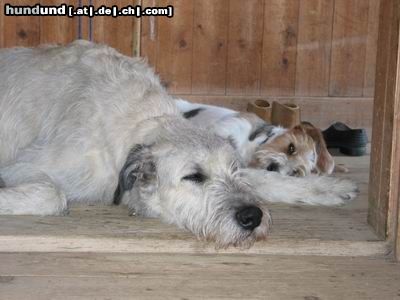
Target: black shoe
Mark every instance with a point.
(351, 142)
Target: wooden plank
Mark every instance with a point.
(297, 230)
(174, 41)
(149, 276)
(279, 47)
(137, 31)
(382, 150)
(372, 44)
(210, 46)
(397, 230)
(84, 23)
(22, 30)
(245, 47)
(394, 196)
(176, 246)
(314, 47)
(2, 16)
(313, 109)
(348, 47)
(149, 34)
(116, 32)
(58, 30)
(394, 193)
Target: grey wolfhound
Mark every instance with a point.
(83, 123)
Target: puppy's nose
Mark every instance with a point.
(249, 217)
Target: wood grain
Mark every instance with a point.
(149, 34)
(245, 47)
(314, 47)
(348, 47)
(155, 276)
(116, 32)
(383, 114)
(174, 55)
(21, 30)
(394, 178)
(297, 229)
(2, 16)
(58, 30)
(394, 196)
(210, 34)
(279, 47)
(371, 51)
(262, 47)
(84, 23)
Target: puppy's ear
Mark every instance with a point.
(139, 166)
(300, 129)
(325, 162)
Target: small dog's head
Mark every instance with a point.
(298, 151)
(190, 177)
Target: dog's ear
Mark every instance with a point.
(139, 166)
(325, 162)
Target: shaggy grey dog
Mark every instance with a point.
(83, 123)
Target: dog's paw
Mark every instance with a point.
(328, 191)
(336, 191)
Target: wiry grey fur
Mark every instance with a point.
(83, 123)
(71, 115)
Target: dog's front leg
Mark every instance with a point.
(25, 190)
(311, 190)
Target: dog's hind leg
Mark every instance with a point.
(28, 191)
(311, 190)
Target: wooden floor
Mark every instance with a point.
(102, 253)
(191, 276)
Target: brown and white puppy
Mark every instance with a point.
(298, 151)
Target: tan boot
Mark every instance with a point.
(262, 108)
(286, 115)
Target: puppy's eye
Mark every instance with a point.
(196, 177)
(291, 149)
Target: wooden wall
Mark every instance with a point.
(317, 53)
(35, 30)
(384, 179)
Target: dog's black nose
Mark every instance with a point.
(249, 217)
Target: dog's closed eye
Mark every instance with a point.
(196, 177)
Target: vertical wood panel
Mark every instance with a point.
(148, 43)
(394, 196)
(116, 32)
(2, 26)
(349, 47)
(210, 46)
(174, 55)
(84, 22)
(21, 30)
(245, 47)
(372, 40)
(397, 239)
(314, 47)
(383, 115)
(279, 49)
(54, 29)
(389, 182)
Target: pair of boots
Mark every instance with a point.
(286, 115)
